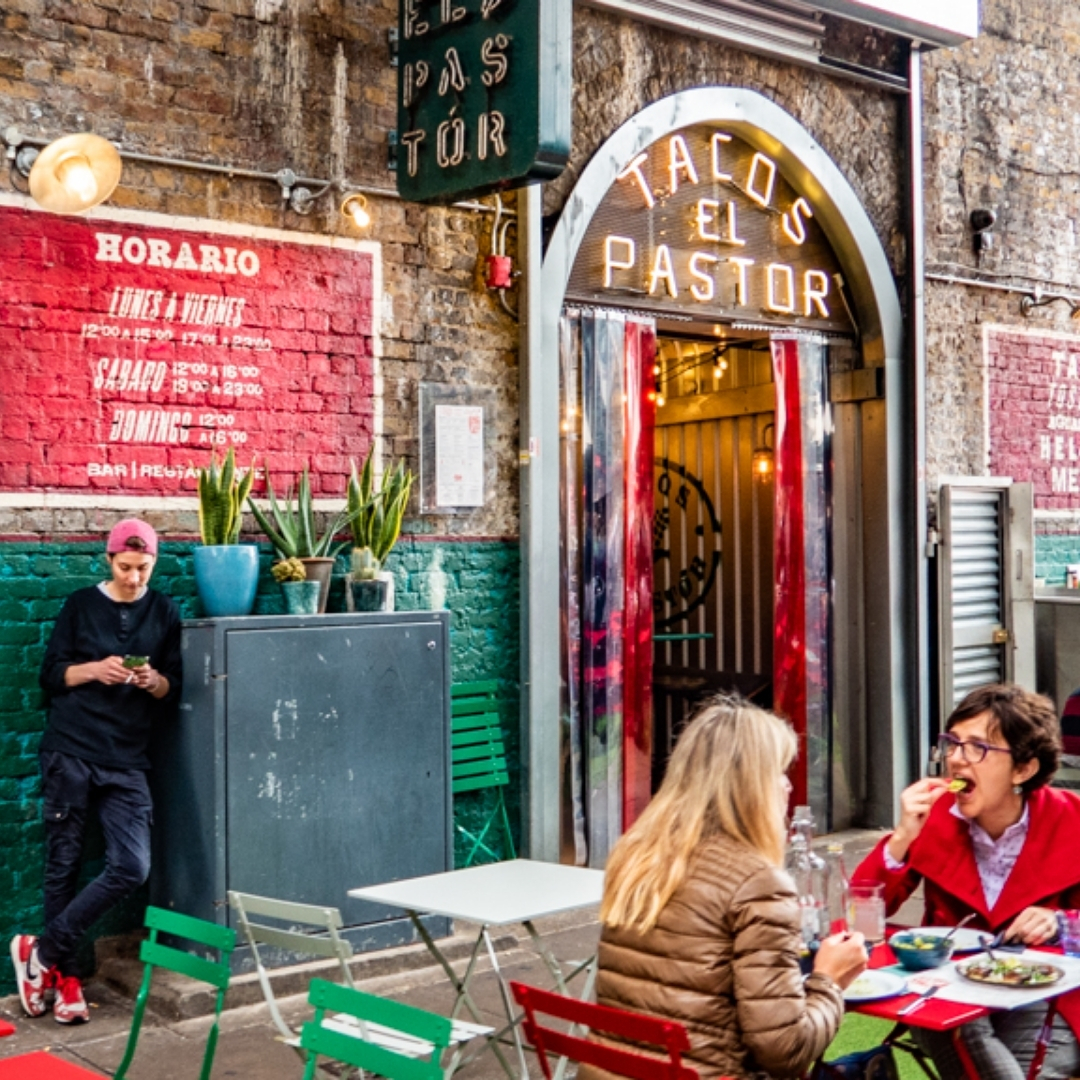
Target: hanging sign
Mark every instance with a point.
(702, 223)
(130, 348)
(483, 95)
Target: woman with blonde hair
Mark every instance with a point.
(701, 923)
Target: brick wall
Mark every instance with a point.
(998, 136)
(477, 581)
(304, 84)
(1053, 554)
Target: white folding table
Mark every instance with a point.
(497, 894)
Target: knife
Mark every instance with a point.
(925, 996)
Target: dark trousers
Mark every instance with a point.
(71, 788)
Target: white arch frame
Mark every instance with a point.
(837, 208)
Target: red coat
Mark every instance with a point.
(1046, 874)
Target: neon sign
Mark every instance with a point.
(703, 221)
(483, 95)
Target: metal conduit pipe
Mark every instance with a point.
(976, 283)
(285, 178)
(923, 666)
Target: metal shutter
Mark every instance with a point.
(985, 588)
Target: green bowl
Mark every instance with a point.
(920, 952)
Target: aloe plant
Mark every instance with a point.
(376, 516)
(291, 527)
(222, 492)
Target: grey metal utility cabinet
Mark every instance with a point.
(311, 756)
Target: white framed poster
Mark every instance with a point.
(457, 455)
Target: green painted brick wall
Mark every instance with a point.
(1053, 554)
(478, 581)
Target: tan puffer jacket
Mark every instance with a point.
(723, 959)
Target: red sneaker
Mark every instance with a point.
(69, 1006)
(33, 979)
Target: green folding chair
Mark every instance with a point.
(154, 954)
(478, 763)
(343, 1035)
(312, 930)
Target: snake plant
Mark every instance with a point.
(222, 492)
(291, 527)
(376, 515)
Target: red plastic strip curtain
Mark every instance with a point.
(572, 843)
(606, 580)
(638, 625)
(801, 554)
(603, 593)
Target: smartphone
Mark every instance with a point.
(135, 661)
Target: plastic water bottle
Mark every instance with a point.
(807, 877)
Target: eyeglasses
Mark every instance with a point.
(973, 751)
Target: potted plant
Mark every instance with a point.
(226, 571)
(292, 529)
(375, 524)
(301, 596)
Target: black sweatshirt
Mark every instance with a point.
(110, 725)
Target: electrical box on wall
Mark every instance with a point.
(310, 757)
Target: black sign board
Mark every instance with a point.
(483, 95)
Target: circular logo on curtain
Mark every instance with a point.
(686, 544)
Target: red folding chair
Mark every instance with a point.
(665, 1035)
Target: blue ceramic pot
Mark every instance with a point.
(226, 576)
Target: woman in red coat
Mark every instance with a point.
(1003, 848)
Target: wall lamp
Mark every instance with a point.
(763, 459)
(1038, 299)
(75, 173)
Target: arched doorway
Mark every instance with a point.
(870, 511)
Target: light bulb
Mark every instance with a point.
(355, 209)
(77, 177)
(656, 369)
(660, 399)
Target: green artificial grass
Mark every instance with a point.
(859, 1032)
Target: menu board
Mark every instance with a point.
(133, 345)
(1033, 412)
(459, 455)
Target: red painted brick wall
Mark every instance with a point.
(129, 351)
(1033, 389)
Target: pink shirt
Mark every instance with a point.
(994, 859)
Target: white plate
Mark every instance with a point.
(874, 985)
(965, 939)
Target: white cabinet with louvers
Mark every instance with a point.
(986, 630)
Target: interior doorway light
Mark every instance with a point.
(762, 463)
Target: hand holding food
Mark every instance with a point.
(916, 802)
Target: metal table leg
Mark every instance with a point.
(462, 995)
(507, 1004)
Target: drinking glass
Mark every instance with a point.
(867, 915)
(1069, 927)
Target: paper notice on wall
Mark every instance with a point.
(459, 455)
